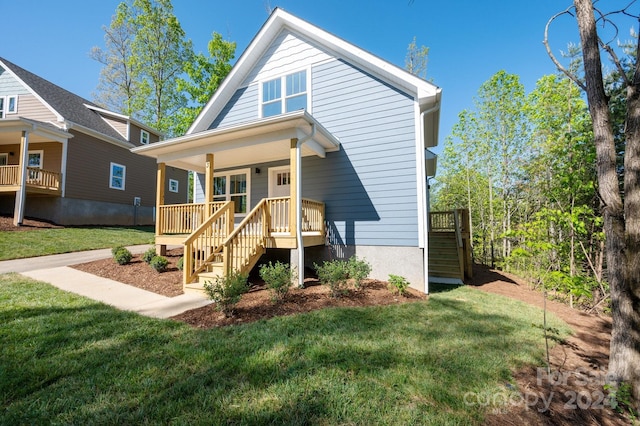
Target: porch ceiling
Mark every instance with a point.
(258, 141)
(11, 131)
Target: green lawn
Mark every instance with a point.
(65, 359)
(40, 242)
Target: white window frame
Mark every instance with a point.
(144, 135)
(15, 104)
(282, 99)
(124, 176)
(174, 185)
(40, 152)
(227, 174)
(3, 106)
(6, 158)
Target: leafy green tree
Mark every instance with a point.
(416, 59)
(159, 51)
(118, 83)
(204, 75)
(620, 206)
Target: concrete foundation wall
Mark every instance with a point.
(69, 211)
(407, 262)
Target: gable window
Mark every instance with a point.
(233, 186)
(173, 185)
(12, 104)
(144, 137)
(295, 94)
(117, 176)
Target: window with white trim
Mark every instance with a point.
(295, 94)
(2, 106)
(12, 104)
(35, 160)
(173, 185)
(144, 137)
(233, 185)
(117, 176)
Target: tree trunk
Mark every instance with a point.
(624, 362)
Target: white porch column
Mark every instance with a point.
(161, 249)
(21, 194)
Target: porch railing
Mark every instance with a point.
(184, 218)
(36, 177)
(43, 178)
(9, 175)
(247, 240)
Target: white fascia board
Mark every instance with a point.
(283, 126)
(46, 130)
(98, 135)
(279, 19)
(130, 120)
(59, 117)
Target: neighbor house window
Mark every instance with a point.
(233, 186)
(2, 106)
(144, 137)
(12, 104)
(295, 94)
(173, 185)
(35, 161)
(117, 176)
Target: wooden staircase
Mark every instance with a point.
(217, 248)
(450, 259)
(444, 256)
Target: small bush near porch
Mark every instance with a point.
(66, 359)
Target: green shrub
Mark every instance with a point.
(398, 284)
(334, 274)
(159, 263)
(121, 255)
(149, 255)
(358, 270)
(278, 278)
(180, 264)
(227, 291)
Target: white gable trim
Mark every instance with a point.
(59, 117)
(427, 93)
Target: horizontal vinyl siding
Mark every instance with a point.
(30, 107)
(182, 176)
(89, 165)
(242, 107)
(118, 124)
(288, 52)
(369, 186)
(10, 86)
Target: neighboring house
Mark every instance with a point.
(315, 146)
(68, 161)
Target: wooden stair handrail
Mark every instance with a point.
(192, 266)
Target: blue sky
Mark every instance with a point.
(469, 40)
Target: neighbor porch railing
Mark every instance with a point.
(184, 218)
(36, 177)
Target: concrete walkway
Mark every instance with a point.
(54, 270)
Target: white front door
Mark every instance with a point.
(279, 181)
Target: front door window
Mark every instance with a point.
(4, 159)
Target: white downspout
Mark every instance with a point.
(299, 241)
(425, 217)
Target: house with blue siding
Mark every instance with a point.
(310, 145)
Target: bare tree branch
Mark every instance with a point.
(557, 63)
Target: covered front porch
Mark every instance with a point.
(223, 235)
(24, 145)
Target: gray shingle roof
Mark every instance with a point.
(68, 105)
